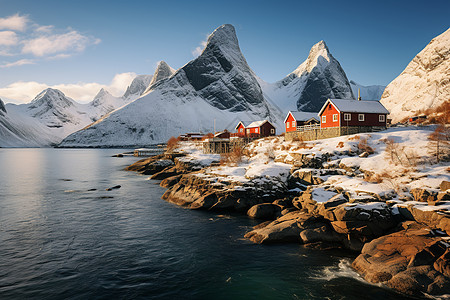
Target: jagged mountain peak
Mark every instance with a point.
(102, 93)
(319, 55)
(163, 71)
(51, 97)
(138, 86)
(2, 106)
(224, 35)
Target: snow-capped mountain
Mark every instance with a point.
(307, 88)
(217, 87)
(367, 92)
(51, 116)
(22, 130)
(424, 84)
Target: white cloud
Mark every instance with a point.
(8, 38)
(24, 92)
(198, 50)
(20, 62)
(45, 29)
(57, 43)
(15, 22)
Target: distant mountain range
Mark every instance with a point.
(218, 87)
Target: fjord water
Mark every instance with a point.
(63, 236)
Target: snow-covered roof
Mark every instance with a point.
(302, 116)
(356, 106)
(258, 124)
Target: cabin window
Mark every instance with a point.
(293, 124)
(347, 117)
(361, 117)
(256, 130)
(242, 129)
(329, 106)
(381, 118)
(324, 119)
(287, 125)
(272, 131)
(248, 130)
(335, 117)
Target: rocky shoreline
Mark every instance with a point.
(402, 244)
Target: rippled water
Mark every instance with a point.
(59, 238)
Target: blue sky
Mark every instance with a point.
(80, 46)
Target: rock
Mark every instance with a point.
(157, 166)
(167, 172)
(113, 188)
(266, 211)
(423, 195)
(170, 181)
(364, 154)
(118, 155)
(432, 216)
(284, 203)
(410, 261)
(445, 185)
(285, 229)
(140, 165)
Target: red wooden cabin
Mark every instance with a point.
(255, 129)
(296, 119)
(342, 112)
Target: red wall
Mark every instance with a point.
(369, 120)
(238, 131)
(289, 120)
(329, 117)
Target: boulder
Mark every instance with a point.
(445, 185)
(266, 211)
(423, 195)
(410, 261)
(141, 165)
(170, 181)
(167, 172)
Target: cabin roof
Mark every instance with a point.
(356, 106)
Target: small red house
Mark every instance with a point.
(342, 112)
(296, 119)
(255, 129)
(223, 134)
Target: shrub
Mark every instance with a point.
(439, 143)
(232, 158)
(172, 143)
(364, 147)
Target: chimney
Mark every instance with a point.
(359, 96)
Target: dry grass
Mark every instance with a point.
(356, 137)
(340, 145)
(172, 143)
(232, 158)
(364, 147)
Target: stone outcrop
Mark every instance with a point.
(412, 261)
(265, 211)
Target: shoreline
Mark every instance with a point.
(402, 245)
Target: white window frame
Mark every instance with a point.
(248, 131)
(347, 117)
(381, 118)
(242, 130)
(324, 119)
(272, 131)
(361, 117)
(287, 125)
(256, 130)
(293, 124)
(335, 117)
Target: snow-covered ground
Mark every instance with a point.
(388, 174)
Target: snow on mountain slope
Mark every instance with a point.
(21, 130)
(307, 88)
(369, 92)
(217, 86)
(424, 84)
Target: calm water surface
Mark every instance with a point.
(61, 239)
